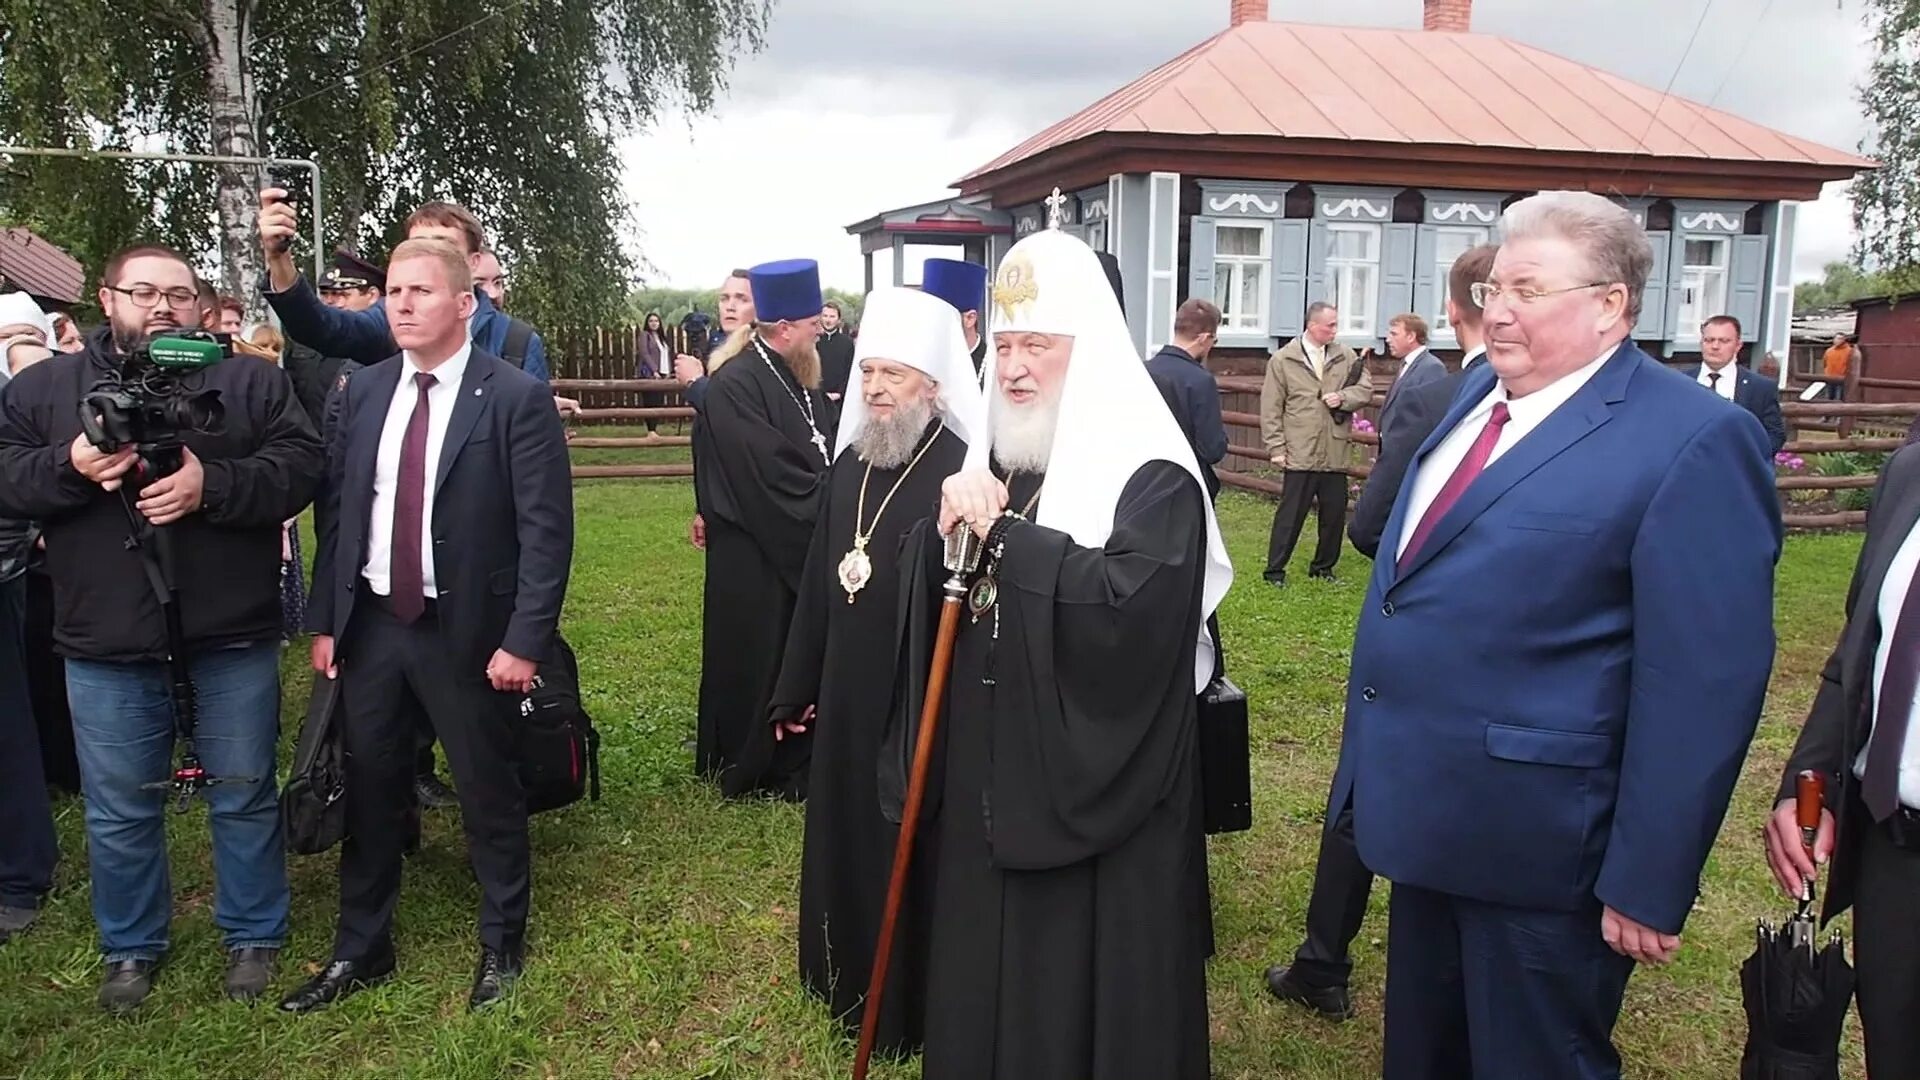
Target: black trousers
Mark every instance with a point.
(1341, 885)
(47, 682)
(389, 670)
(1301, 491)
(1886, 954)
(27, 846)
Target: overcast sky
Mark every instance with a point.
(899, 98)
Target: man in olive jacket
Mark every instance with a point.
(1314, 385)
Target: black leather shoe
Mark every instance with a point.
(433, 793)
(497, 973)
(127, 984)
(341, 979)
(1331, 1002)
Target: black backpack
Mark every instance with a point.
(559, 748)
(513, 348)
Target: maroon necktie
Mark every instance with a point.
(1470, 467)
(1880, 787)
(409, 592)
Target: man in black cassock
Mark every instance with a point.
(1070, 922)
(909, 412)
(764, 448)
(963, 285)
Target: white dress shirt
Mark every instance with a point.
(1729, 378)
(386, 467)
(1893, 595)
(1523, 415)
(1473, 354)
(1316, 356)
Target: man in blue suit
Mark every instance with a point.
(1538, 754)
(1720, 372)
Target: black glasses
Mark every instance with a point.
(146, 296)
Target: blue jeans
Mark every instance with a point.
(123, 729)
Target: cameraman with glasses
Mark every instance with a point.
(218, 516)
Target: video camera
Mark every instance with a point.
(154, 398)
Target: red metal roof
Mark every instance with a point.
(38, 268)
(1296, 80)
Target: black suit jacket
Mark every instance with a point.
(502, 525)
(1758, 396)
(1193, 395)
(1838, 724)
(1416, 412)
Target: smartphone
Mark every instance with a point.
(292, 180)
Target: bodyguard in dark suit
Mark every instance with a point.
(1322, 967)
(438, 582)
(1720, 372)
(1179, 372)
(1537, 754)
(1860, 735)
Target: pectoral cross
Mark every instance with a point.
(820, 444)
(1056, 206)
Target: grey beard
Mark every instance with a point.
(890, 443)
(1023, 435)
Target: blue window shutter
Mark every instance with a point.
(1292, 269)
(1396, 274)
(1747, 284)
(1676, 284)
(1200, 259)
(1425, 292)
(1653, 302)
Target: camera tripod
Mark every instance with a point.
(154, 544)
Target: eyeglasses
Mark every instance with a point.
(1485, 292)
(146, 296)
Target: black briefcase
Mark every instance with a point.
(559, 748)
(313, 806)
(1226, 767)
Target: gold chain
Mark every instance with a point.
(860, 538)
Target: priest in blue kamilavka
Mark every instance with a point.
(910, 410)
(764, 446)
(963, 285)
(1069, 910)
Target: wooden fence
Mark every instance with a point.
(1856, 427)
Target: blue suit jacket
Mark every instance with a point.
(1762, 398)
(1551, 704)
(365, 337)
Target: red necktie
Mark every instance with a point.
(409, 591)
(1470, 467)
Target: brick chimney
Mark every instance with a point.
(1449, 16)
(1246, 11)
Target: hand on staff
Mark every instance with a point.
(1634, 941)
(1793, 865)
(784, 728)
(508, 672)
(976, 497)
(687, 369)
(565, 406)
(697, 532)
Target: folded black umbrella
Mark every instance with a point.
(1796, 994)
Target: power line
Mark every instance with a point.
(1738, 58)
(364, 72)
(1653, 116)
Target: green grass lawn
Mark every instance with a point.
(664, 917)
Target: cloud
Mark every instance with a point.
(858, 106)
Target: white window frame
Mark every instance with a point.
(1698, 284)
(1097, 235)
(1229, 276)
(1474, 235)
(1358, 304)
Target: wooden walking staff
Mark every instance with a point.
(962, 559)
